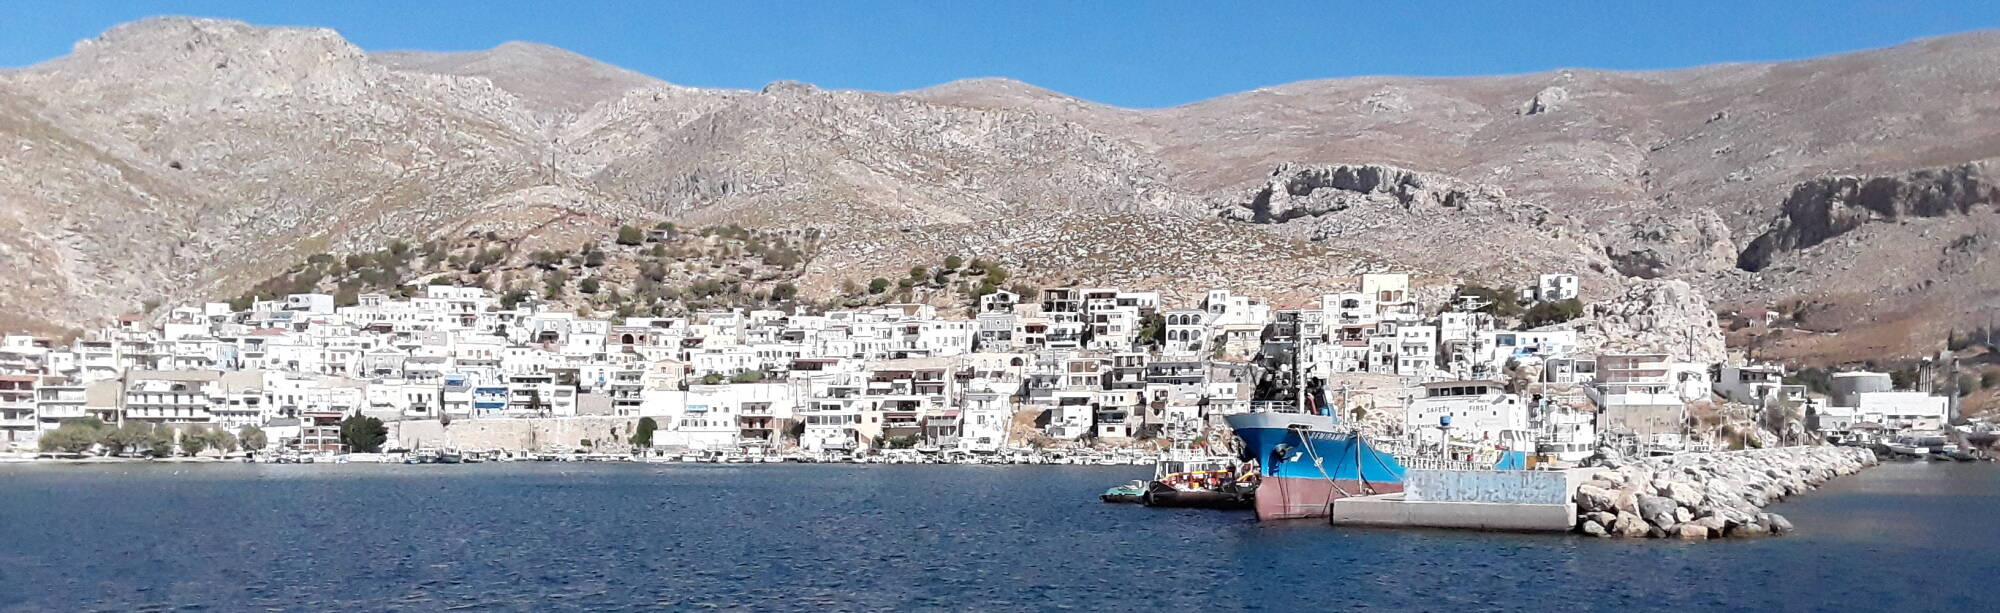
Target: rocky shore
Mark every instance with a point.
(1708, 495)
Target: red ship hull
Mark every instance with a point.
(1303, 498)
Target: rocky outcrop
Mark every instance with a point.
(1432, 221)
(1821, 209)
(1706, 495)
(1662, 245)
(1652, 316)
(1549, 99)
(1296, 191)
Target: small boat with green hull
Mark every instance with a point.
(1133, 492)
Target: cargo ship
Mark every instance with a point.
(1305, 460)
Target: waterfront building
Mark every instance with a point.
(1071, 361)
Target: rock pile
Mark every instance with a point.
(1708, 495)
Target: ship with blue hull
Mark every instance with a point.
(1306, 460)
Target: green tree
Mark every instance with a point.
(252, 438)
(158, 440)
(784, 291)
(878, 285)
(1025, 291)
(513, 298)
(194, 440)
(748, 377)
(919, 272)
(1903, 378)
(954, 262)
(1498, 302)
(643, 436)
(545, 259)
(1990, 379)
(1153, 330)
(135, 437)
(73, 436)
(1552, 312)
(711, 378)
(628, 235)
(222, 440)
(588, 286)
(552, 283)
(363, 434)
(1967, 385)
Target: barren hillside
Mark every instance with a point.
(176, 158)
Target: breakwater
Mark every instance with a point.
(1706, 495)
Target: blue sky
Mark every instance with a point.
(1126, 53)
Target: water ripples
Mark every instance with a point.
(613, 537)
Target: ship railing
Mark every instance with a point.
(1423, 463)
(1274, 406)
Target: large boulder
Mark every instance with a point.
(1626, 502)
(1715, 525)
(1658, 510)
(1630, 525)
(1594, 529)
(1692, 532)
(1685, 494)
(1778, 523)
(1752, 529)
(1591, 498)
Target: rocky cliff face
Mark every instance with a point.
(1660, 245)
(1296, 191)
(1821, 209)
(1431, 221)
(1651, 316)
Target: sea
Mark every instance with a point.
(634, 536)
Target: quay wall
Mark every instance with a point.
(1706, 495)
(1487, 486)
(538, 434)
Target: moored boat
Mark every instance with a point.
(1306, 461)
(1131, 492)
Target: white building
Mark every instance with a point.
(1551, 287)
(1903, 410)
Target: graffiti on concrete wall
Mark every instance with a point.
(1494, 486)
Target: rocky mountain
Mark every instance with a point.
(178, 158)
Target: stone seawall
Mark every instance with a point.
(537, 434)
(1707, 495)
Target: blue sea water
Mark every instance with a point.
(610, 537)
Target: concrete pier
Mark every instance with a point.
(1395, 510)
(1510, 500)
